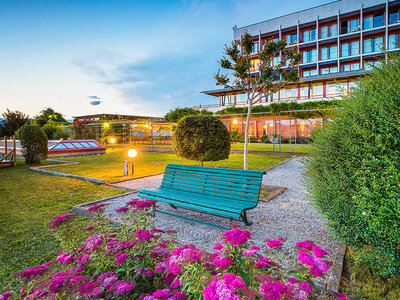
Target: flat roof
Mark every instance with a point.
(339, 75)
(116, 116)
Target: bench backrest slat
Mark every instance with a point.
(240, 185)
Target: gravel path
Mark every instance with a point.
(289, 215)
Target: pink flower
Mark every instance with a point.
(248, 252)
(143, 234)
(174, 269)
(123, 287)
(92, 242)
(236, 237)
(316, 272)
(255, 248)
(120, 258)
(226, 288)
(293, 280)
(218, 246)
(264, 262)
(106, 280)
(176, 283)
(89, 228)
(274, 244)
(306, 286)
(224, 263)
(97, 207)
(5, 296)
(305, 245)
(122, 209)
(318, 251)
(272, 290)
(60, 219)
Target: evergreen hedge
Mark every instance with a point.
(275, 108)
(354, 169)
(201, 138)
(33, 143)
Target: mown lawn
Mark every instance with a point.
(27, 201)
(300, 148)
(110, 166)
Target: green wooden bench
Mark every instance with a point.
(219, 191)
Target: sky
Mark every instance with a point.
(135, 57)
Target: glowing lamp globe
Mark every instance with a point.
(132, 153)
(106, 124)
(112, 140)
(235, 121)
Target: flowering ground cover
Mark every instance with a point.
(138, 261)
(109, 166)
(27, 201)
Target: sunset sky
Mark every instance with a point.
(138, 57)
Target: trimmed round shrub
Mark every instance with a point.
(54, 132)
(201, 138)
(354, 169)
(33, 143)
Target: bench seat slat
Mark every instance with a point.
(212, 194)
(210, 188)
(221, 175)
(201, 203)
(251, 188)
(211, 170)
(242, 180)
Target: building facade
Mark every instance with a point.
(339, 42)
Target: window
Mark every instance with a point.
(303, 91)
(309, 56)
(329, 52)
(373, 45)
(290, 93)
(317, 90)
(309, 35)
(291, 38)
(351, 67)
(373, 21)
(328, 70)
(276, 61)
(328, 31)
(255, 48)
(312, 72)
(393, 41)
(241, 98)
(368, 65)
(350, 26)
(350, 49)
(393, 16)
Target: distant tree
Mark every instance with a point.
(201, 138)
(48, 115)
(174, 115)
(13, 120)
(259, 80)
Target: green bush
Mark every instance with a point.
(33, 143)
(201, 138)
(354, 169)
(54, 132)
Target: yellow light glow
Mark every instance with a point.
(147, 125)
(132, 153)
(271, 124)
(235, 121)
(112, 140)
(265, 126)
(106, 124)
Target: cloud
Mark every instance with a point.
(94, 97)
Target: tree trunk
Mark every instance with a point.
(246, 133)
(201, 163)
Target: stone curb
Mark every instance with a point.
(41, 170)
(128, 179)
(275, 194)
(282, 162)
(337, 268)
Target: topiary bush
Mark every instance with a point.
(33, 143)
(201, 138)
(354, 169)
(54, 132)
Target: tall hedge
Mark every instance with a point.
(201, 138)
(354, 169)
(33, 143)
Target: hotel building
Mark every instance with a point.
(339, 42)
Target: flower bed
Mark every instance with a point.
(138, 261)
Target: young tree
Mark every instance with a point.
(258, 80)
(13, 120)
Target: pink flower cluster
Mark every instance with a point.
(60, 220)
(236, 237)
(141, 204)
(230, 287)
(311, 256)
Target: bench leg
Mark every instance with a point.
(173, 206)
(244, 218)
